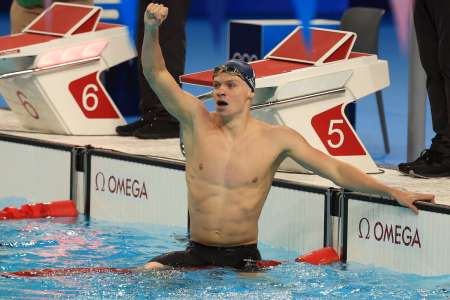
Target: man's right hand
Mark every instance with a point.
(155, 15)
(408, 199)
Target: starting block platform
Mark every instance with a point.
(308, 89)
(50, 74)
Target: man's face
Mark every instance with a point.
(231, 93)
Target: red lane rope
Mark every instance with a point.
(65, 272)
(322, 256)
(76, 271)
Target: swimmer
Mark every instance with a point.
(231, 159)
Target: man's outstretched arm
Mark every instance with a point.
(344, 174)
(177, 102)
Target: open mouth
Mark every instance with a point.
(221, 103)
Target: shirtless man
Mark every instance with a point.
(231, 159)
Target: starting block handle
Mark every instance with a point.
(204, 97)
(58, 66)
(299, 98)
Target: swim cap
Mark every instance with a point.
(239, 68)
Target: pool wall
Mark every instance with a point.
(35, 170)
(299, 217)
(295, 218)
(381, 233)
(132, 189)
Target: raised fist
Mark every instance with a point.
(155, 15)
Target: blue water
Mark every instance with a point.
(59, 243)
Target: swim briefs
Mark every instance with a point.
(198, 255)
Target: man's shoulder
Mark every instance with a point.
(276, 129)
(203, 116)
(282, 135)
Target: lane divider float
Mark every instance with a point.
(63, 208)
(324, 256)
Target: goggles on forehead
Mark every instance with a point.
(228, 68)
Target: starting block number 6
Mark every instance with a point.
(336, 134)
(92, 99)
(90, 95)
(27, 105)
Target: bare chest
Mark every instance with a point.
(243, 163)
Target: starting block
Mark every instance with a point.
(50, 74)
(308, 89)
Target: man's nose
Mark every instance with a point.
(220, 91)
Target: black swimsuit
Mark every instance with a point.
(198, 255)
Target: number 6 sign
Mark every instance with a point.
(90, 93)
(92, 98)
(335, 133)
(27, 105)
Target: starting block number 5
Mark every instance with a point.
(335, 133)
(334, 130)
(92, 99)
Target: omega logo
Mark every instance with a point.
(389, 233)
(120, 186)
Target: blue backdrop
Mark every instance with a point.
(266, 8)
(261, 8)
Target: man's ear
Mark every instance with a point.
(251, 94)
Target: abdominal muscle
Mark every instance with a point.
(221, 216)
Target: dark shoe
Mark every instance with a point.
(424, 157)
(129, 129)
(436, 166)
(158, 129)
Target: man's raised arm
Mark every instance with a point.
(177, 102)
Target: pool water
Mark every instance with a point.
(63, 243)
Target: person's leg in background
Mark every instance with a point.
(21, 16)
(155, 121)
(433, 37)
(442, 124)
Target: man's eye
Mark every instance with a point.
(216, 85)
(230, 84)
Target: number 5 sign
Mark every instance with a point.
(335, 133)
(92, 98)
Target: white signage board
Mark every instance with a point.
(294, 218)
(135, 190)
(392, 237)
(34, 171)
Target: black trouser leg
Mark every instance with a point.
(172, 38)
(432, 23)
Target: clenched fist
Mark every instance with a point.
(155, 15)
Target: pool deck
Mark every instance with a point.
(169, 149)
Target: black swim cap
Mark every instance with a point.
(240, 68)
